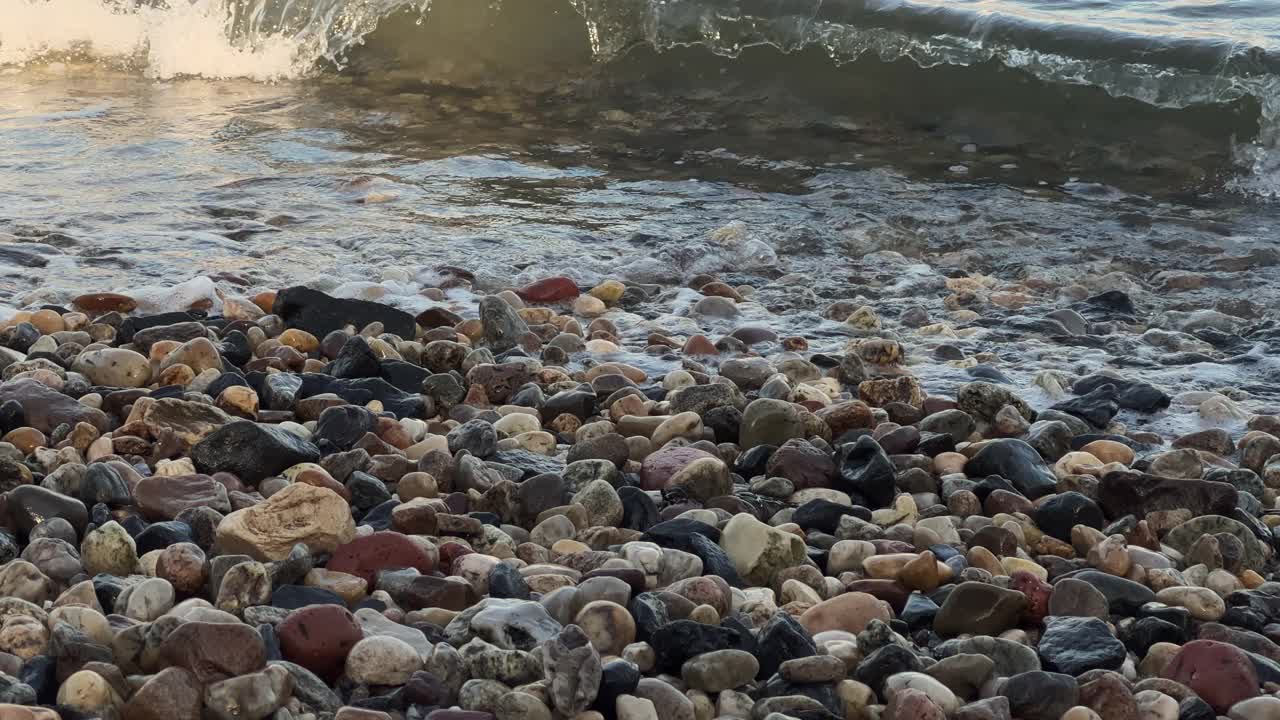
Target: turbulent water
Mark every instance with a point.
(817, 149)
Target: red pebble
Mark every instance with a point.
(660, 466)
(318, 638)
(1221, 674)
(449, 554)
(1037, 592)
(552, 289)
(365, 556)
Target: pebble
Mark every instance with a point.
(272, 517)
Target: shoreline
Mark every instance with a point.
(627, 500)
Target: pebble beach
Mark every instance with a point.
(562, 502)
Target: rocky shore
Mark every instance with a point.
(563, 502)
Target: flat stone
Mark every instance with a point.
(214, 651)
(849, 612)
(1074, 645)
(980, 609)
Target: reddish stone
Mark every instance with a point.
(319, 478)
(230, 482)
(214, 651)
(658, 467)
(1037, 592)
(912, 704)
(105, 302)
(427, 591)
(163, 497)
(845, 416)
(890, 591)
(552, 289)
(319, 637)
(450, 552)
(1220, 674)
(699, 345)
(1003, 501)
(365, 556)
(171, 694)
(437, 317)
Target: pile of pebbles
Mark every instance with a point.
(307, 507)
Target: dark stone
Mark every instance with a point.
(278, 391)
(883, 663)
(360, 391)
(251, 451)
(224, 381)
(1129, 394)
(367, 492)
(502, 326)
(310, 689)
(617, 678)
(650, 614)
(1017, 462)
(680, 640)
(1051, 438)
(782, 638)
(988, 373)
(824, 515)
(40, 674)
(414, 592)
(1193, 708)
(1058, 514)
(803, 464)
(1123, 596)
(919, 611)
(320, 314)
(980, 609)
(404, 376)
(477, 437)
(507, 582)
(340, 427)
(714, 560)
(103, 484)
(234, 349)
(160, 535)
(294, 597)
(1114, 300)
(578, 403)
(752, 463)
(1133, 493)
(29, 505)
(639, 512)
(179, 327)
(725, 422)
(674, 531)
(1097, 407)
(866, 472)
(12, 416)
(356, 360)
(15, 692)
(1148, 631)
(1040, 695)
(1073, 645)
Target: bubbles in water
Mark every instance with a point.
(255, 39)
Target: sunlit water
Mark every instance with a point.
(349, 143)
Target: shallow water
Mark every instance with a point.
(521, 141)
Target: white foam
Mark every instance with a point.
(186, 39)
